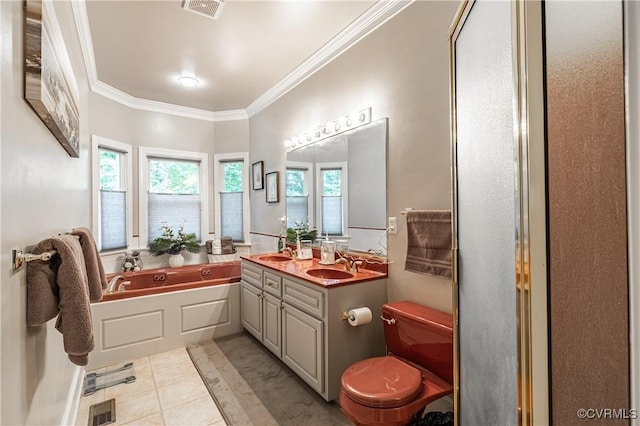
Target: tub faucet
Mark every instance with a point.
(111, 287)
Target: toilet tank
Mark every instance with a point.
(421, 335)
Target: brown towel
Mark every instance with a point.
(42, 290)
(62, 279)
(429, 242)
(95, 270)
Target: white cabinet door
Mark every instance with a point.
(251, 308)
(302, 346)
(272, 332)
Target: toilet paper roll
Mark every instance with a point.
(359, 316)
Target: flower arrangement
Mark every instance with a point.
(169, 243)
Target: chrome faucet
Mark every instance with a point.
(111, 287)
(350, 265)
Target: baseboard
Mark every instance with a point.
(73, 400)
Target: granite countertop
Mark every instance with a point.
(298, 269)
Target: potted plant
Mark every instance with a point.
(171, 244)
(301, 228)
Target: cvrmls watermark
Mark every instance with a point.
(607, 413)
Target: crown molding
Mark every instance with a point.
(100, 88)
(375, 16)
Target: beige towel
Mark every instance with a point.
(429, 242)
(95, 270)
(65, 281)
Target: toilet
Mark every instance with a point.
(417, 370)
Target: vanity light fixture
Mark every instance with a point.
(188, 81)
(343, 124)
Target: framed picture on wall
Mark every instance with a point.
(257, 173)
(272, 187)
(50, 86)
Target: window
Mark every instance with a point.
(299, 194)
(112, 193)
(232, 191)
(173, 189)
(332, 187)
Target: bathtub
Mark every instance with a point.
(163, 280)
(163, 309)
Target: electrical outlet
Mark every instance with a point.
(393, 225)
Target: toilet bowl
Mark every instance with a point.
(417, 370)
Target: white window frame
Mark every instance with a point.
(309, 186)
(218, 159)
(345, 196)
(98, 142)
(144, 153)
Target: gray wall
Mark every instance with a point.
(401, 71)
(43, 191)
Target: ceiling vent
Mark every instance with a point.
(209, 8)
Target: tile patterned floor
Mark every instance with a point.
(168, 391)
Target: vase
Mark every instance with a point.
(176, 260)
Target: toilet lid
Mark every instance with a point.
(383, 382)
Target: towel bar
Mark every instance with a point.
(19, 257)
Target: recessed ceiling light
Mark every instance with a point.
(188, 81)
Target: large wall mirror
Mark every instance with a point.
(339, 186)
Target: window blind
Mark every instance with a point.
(297, 209)
(332, 214)
(231, 224)
(175, 210)
(113, 214)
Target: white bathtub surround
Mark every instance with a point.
(136, 327)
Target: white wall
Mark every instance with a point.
(401, 70)
(43, 191)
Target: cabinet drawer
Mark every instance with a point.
(306, 298)
(272, 283)
(251, 274)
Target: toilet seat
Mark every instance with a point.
(382, 382)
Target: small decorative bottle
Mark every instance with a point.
(280, 243)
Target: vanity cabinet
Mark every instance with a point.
(261, 306)
(302, 323)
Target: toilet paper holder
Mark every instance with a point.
(345, 314)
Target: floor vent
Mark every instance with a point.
(103, 413)
(209, 8)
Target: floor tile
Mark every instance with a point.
(174, 373)
(168, 381)
(175, 356)
(181, 392)
(152, 420)
(137, 407)
(201, 412)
